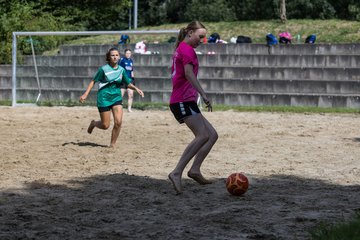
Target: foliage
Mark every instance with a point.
(310, 9)
(209, 10)
(256, 9)
(347, 230)
(152, 12)
(346, 9)
(77, 15)
(354, 11)
(19, 16)
(172, 11)
(165, 106)
(13, 18)
(89, 14)
(327, 31)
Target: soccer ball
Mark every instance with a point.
(237, 184)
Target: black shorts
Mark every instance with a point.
(181, 110)
(108, 108)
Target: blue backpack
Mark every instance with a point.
(124, 39)
(271, 39)
(214, 38)
(311, 39)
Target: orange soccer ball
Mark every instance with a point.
(237, 184)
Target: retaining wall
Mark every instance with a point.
(326, 75)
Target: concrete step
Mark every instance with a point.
(47, 82)
(5, 70)
(273, 99)
(238, 85)
(279, 73)
(290, 49)
(225, 98)
(209, 60)
(260, 85)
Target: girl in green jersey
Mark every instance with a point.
(109, 99)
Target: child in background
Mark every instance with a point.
(127, 63)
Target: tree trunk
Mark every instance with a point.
(283, 11)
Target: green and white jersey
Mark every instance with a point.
(109, 80)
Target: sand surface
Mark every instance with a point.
(59, 182)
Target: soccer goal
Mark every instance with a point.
(63, 77)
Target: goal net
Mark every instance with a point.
(61, 77)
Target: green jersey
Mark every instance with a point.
(109, 80)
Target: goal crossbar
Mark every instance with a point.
(82, 33)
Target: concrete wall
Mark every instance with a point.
(237, 74)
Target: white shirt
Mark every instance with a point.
(140, 47)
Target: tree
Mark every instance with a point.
(255, 9)
(209, 10)
(283, 11)
(173, 13)
(152, 12)
(311, 9)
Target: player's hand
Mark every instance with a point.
(82, 98)
(140, 92)
(207, 104)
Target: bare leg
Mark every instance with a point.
(123, 90)
(198, 126)
(117, 114)
(91, 126)
(130, 93)
(104, 123)
(194, 171)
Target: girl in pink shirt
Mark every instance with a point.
(186, 88)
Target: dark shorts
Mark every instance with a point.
(108, 108)
(181, 110)
(123, 85)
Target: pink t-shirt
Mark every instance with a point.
(182, 90)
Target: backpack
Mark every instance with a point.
(271, 39)
(124, 39)
(311, 39)
(214, 38)
(172, 40)
(285, 37)
(243, 39)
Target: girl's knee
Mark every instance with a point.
(203, 138)
(214, 136)
(117, 124)
(105, 125)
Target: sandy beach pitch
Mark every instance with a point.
(59, 182)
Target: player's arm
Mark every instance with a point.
(138, 90)
(88, 89)
(132, 86)
(190, 76)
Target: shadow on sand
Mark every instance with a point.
(122, 206)
(85, 144)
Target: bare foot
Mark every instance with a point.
(91, 126)
(199, 178)
(176, 182)
(129, 110)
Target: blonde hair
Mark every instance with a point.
(183, 31)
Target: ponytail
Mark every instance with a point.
(183, 31)
(181, 37)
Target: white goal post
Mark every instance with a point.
(83, 33)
